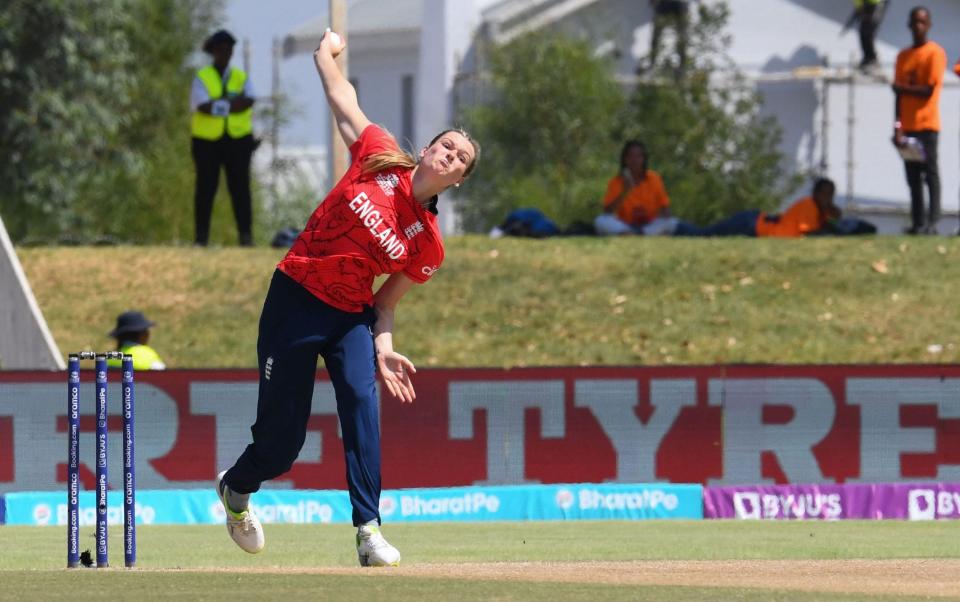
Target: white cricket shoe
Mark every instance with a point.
(373, 549)
(244, 527)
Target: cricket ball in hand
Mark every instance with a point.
(336, 43)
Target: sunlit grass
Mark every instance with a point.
(571, 301)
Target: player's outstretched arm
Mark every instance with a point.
(341, 95)
(395, 369)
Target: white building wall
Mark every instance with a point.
(779, 35)
(379, 79)
(769, 36)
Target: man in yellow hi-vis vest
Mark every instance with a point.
(221, 99)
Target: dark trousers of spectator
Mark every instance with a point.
(917, 173)
(233, 154)
(670, 13)
(869, 23)
(742, 223)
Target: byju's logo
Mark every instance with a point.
(928, 504)
(746, 505)
(921, 504)
(753, 505)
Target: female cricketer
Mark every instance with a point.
(380, 218)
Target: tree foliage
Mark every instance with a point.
(547, 133)
(95, 124)
(704, 129)
(557, 119)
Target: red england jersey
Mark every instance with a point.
(369, 224)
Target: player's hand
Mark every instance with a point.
(395, 370)
(330, 42)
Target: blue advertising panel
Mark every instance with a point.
(495, 503)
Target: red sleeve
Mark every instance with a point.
(956, 67)
(426, 263)
(373, 139)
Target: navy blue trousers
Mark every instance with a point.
(296, 328)
(743, 223)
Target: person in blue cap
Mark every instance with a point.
(132, 333)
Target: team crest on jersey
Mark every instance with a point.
(413, 229)
(387, 182)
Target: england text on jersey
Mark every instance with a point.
(372, 219)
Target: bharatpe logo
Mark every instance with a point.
(927, 504)
(646, 499)
(304, 511)
(751, 505)
(87, 515)
(388, 505)
(467, 504)
(42, 514)
(564, 499)
(387, 183)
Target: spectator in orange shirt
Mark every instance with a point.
(917, 84)
(635, 198)
(809, 215)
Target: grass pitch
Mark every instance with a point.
(649, 560)
(623, 301)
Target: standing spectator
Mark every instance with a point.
(956, 70)
(869, 13)
(222, 99)
(917, 84)
(635, 197)
(132, 333)
(670, 13)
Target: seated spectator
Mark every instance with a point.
(132, 333)
(809, 215)
(635, 198)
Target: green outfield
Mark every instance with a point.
(555, 302)
(643, 560)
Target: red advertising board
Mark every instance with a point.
(711, 425)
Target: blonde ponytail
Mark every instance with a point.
(387, 160)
